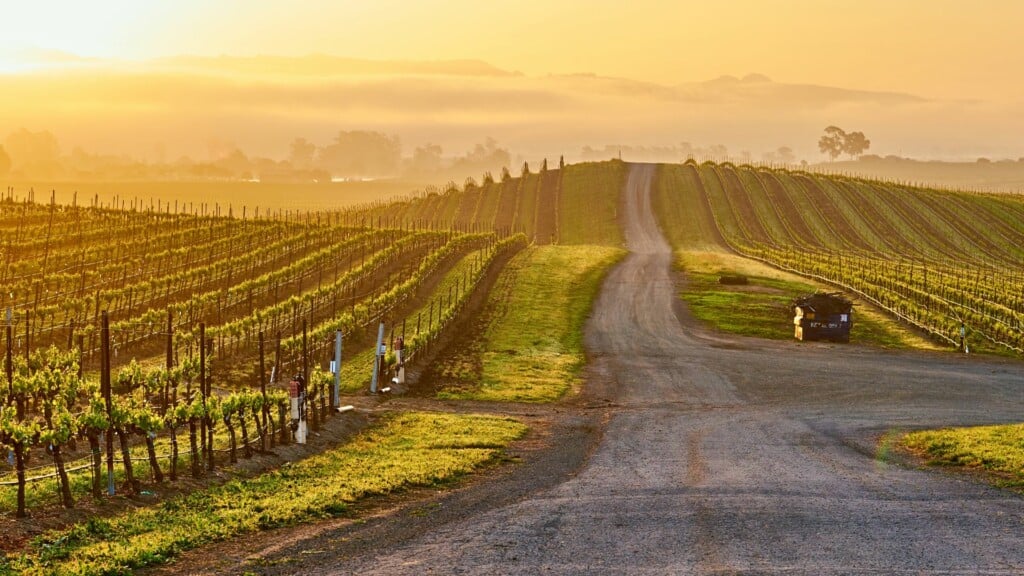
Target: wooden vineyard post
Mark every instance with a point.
(107, 400)
(206, 426)
(202, 388)
(277, 360)
(81, 355)
(170, 355)
(265, 440)
(311, 409)
(282, 424)
(400, 355)
(8, 358)
(210, 423)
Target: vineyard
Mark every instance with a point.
(144, 326)
(172, 330)
(572, 204)
(940, 261)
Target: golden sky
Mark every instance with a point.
(924, 78)
(935, 48)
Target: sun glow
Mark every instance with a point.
(117, 75)
(13, 66)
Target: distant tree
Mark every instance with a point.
(236, 163)
(719, 151)
(488, 178)
(561, 162)
(505, 174)
(526, 168)
(362, 153)
(484, 156)
(785, 155)
(470, 183)
(5, 162)
(544, 165)
(426, 159)
(832, 142)
(781, 155)
(301, 153)
(855, 143)
(35, 153)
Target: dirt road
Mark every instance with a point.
(733, 456)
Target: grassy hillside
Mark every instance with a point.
(589, 204)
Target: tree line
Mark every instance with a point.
(348, 154)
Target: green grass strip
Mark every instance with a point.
(413, 449)
(532, 349)
(762, 309)
(998, 450)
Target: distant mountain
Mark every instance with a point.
(724, 89)
(760, 87)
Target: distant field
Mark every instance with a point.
(265, 195)
(995, 176)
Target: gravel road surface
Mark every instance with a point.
(722, 455)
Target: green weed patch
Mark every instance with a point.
(996, 450)
(532, 348)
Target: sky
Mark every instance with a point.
(963, 59)
(938, 48)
